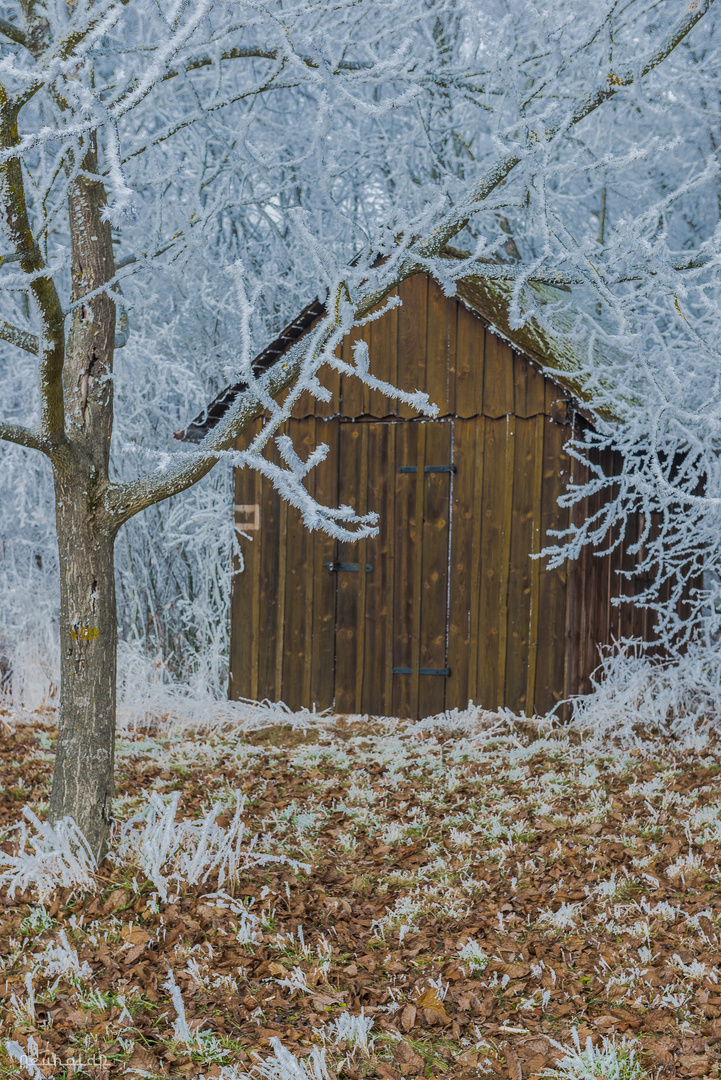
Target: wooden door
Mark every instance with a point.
(391, 607)
(360, 626)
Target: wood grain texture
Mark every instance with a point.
(433, 599)
(440, 348)
(470, 343)
(551, 650)
(412, 321)
(512, 632)
(498, 380)
(377, 689)
(347, 583)
(518, 642)
(245, 593)
(383, 351)
(489, 681)
(462, 564)
(407, 540)
(322, 677)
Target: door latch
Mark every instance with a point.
(334, 567)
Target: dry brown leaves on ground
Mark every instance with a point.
(476, 900)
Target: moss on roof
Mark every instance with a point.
(558, 352)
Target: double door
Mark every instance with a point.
(357, 626)
(392, 590)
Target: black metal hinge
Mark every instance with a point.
(422, 671)
(354, 566)
(428, 468)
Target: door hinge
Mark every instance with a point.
(422, 671)
(354, 566)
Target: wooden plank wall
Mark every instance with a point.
(511, 632)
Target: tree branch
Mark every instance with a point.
(16, 433)
(62, 50)
(123, 501)
(13, 32)
(550, 276)
(21, 338)
(256, 52)
(17, 223)
(458, 218)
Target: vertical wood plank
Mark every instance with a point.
(469, 363)
(434, 575)
(361, 506)
(281, 583)
(417, 565)
(489, 687)
(376, 692)
(298, 602)
(536, 547)
(579, 582)
(518, 643)
(354, 396)
(384, 360)
(406, 541)
(498, 387)
(505, 567)
(441, 346)
(521, 405)
(464, 570)
(478, 564)
(347, 586)
(322, 684)
(412, 320)
(550, 658)
(329, 378)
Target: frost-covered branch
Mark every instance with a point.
(52, 352)
(21, 338)
(13, 32)
(605, 89)
(15, 433)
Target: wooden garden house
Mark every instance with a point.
(446, 604)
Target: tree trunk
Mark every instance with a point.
(84, 763)
(83, 783)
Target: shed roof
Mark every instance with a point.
(557, 353)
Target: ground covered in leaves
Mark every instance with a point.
(391, 901)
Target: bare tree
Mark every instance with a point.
(92, 90)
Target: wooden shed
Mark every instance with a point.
(446, 605)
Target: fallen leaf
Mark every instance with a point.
(429, 999)
(513, 1064)
(435, 1018)
(696, 1064)
(406, 1055)
(385, 1071)
(117, 899)
(605, 1022)
(408, 1017)
(135, 935)
(133, 954)
(321, 1000)
(142, 1060)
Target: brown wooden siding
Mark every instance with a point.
(454, 607)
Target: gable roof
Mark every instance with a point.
(488, 298)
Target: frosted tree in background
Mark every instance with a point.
(175, 177)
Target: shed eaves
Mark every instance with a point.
(558, 354)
